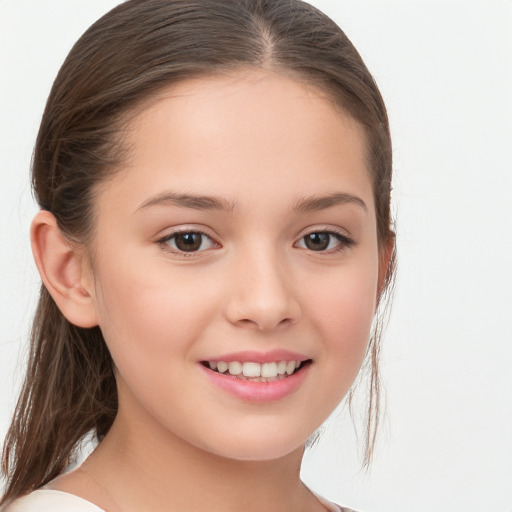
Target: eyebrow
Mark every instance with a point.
(316, 203)
(196, 202)
(202, 202)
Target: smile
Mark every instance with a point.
(258, 377)
(256, 372)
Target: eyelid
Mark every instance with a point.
(162, 240)
(325, 228)
(345, 240)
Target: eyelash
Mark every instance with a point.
(344, 241)
(164, 241)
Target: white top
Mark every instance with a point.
(49, 500)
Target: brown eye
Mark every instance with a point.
(317, 241)
(189, 241)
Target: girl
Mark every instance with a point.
(214, 241)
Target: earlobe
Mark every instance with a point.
(62, 271)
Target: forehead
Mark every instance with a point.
(243, 133)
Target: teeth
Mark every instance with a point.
(290, 367)
(263, 372)
(281, 367)
(269, 370)
(222, 366)
(235, 368)
(251, 369)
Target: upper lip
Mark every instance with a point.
(260, 357)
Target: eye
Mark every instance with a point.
(188, 241)
(324, 241)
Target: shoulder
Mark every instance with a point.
(332, 507)
(48, 500)
(339, 508)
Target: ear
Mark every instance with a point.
(63, 271)
(386, 259)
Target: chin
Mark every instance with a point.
(258, 448)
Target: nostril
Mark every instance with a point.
(245, 322)
(264, 324)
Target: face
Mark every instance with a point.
(235, 264)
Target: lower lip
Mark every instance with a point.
(258, 391)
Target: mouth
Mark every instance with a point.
(257, 372)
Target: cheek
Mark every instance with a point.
(343, 313)
(148, 316)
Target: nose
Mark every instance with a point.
(262, 294)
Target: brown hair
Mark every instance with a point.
(123, 59)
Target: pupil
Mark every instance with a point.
(188, 242)
(317, 241)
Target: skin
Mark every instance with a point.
(260, 142)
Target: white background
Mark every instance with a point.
(445, 70)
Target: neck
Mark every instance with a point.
(159, 471)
